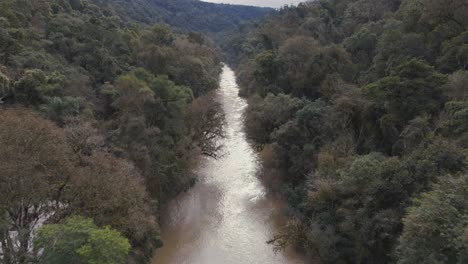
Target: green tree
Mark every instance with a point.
(414, 89)
(8, 44)
(453, 121)
(159, 35)
(431, 14)
(396, 47)
(35, 85)
(79, 241)
(455, 54)
(362, 45)
(267, 70)
(61, 108)
(436, 226)
(363, 11)
(295, 55)
(300, 138)
(266, 115)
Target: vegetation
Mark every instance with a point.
(363, 104)
(435, 227)
(103, 110)
(189, 15)
(78, 240)
(98, 119)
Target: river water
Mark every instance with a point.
(228, 216)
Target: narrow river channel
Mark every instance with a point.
(227, 217)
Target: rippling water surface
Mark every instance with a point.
(227, 217)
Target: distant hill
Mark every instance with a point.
(191, 15)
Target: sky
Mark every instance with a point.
(270, 3)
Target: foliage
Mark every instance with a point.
(269, 114)
(197, 16)
(364, 105)
(413, 90)
(36, 164)
(436, 224)
(78, 240)
(96, 100)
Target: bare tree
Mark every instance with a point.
(206, 123)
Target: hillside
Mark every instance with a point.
(363, 105)
(101, 117)
(191, 15)
(349, 146)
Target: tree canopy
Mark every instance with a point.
(79, 240)
(95, 106)
(363, 105)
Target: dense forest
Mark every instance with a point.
(360, 107)
(101, 117)
(363, 107)
(190, 15)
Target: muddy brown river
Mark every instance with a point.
(228, 216)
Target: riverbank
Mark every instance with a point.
(228, 216)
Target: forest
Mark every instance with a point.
(101, 117)
(363, 105)
(360, 106)
(191, 15)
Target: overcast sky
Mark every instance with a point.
(270, 3)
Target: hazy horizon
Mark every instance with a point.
(264, 3)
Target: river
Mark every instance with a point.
(228, 216)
